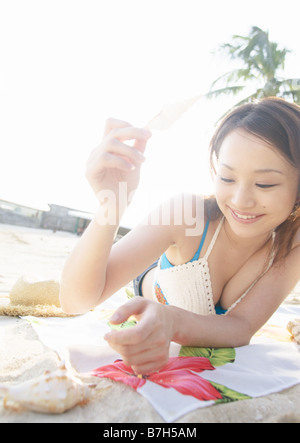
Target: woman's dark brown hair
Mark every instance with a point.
(277, 123)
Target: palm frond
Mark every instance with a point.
(261, 60)
(292, 83)
(294, 95)
(227, 91)
(234, 76)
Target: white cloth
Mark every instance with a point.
(269, 364)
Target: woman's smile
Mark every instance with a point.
(243, 217)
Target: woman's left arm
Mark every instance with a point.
(269, 292)
(145, 347)
(247, 317)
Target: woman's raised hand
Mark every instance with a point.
(114, 161)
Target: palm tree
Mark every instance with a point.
(262, 59)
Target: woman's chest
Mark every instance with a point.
(233, 272)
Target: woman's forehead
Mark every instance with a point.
(240, 146)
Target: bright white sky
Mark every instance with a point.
(67, 65)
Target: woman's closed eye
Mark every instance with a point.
(262, 186)
(259, 185)
(226, 180)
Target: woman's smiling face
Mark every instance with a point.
(256, 187)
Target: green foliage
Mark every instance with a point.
(216, 356)
(228, 394)
(261, 61)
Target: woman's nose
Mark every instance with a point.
(242, 197)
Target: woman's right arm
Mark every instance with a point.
(96, 267)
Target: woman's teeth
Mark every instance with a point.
(245, 217)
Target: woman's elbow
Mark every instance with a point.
(242, 333)
(76, 304)
(242, 341)
(70, 308)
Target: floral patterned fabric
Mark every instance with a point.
(194, 377)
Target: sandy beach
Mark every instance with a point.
(40, 254)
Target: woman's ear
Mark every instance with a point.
(296, 211)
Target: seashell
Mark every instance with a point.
(52, 393)
(294, 328)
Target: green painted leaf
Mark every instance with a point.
(217, 356)
(228, 394)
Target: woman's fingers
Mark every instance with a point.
(118, 148)
(139, 308)
(116, 160)
(136, 306)
(129, 133)
(113, 161)
(113, 152)
(144, 347)
(126, 157)
(145, 357)
(147, 368)
(123, 131)
(112, 123)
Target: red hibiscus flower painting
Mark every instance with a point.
(179, 373)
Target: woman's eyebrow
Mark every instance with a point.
(269, 170)
(226, 166)
(258, 171)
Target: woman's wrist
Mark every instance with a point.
(184, 325)
(113, 205)
(107, 217)
(174, 318)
